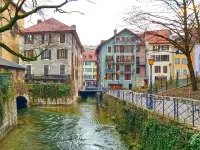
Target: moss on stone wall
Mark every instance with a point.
(145, 130)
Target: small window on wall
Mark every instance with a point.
(137, 70)
(62, 69)
(109, 49)
(157, 69)
(164, 69)
(177, 61)
(184, 60)
(185, 72)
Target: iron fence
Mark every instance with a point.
(184, 110)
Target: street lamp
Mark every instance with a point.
(151, 61)
(104, 81)
(170, 64)
(118, 73)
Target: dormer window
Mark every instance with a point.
(156, 47)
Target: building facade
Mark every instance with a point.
(11, 37)
(89, 67)
(118, 54)
(161, 50)
(61, 53)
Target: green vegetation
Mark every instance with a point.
(6, 92)
(52, 91)
(144, 130)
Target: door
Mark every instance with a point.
(46, 69)
(130, 86)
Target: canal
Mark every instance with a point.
(82, 126)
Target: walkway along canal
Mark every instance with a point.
(81, 126)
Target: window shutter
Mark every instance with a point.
(49, 54)
(66, 54)
(115, 49)
(58, 54)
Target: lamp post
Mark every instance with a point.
(151, 61)
(118, 73)
(170, 71)
(104, 81)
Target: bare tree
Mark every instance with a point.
(180, 17)
(20, 10)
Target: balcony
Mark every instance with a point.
(110, 70)
(46, 77)
(109, 60)
(125, 61)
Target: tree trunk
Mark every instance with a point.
(192, 74)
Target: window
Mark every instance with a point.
(178, 72)
(29, 39)
(156, 57)
(29, 69)
(184, 60)
(88, 69)
(121, 49)
(137, 70)
(177, 60)
(88, 63)
(185, 72)
(117, 39)
(117, 67)
(90, 56)
(109, 66)
(127, 76)
(46, 54)
(127, 67)
(46, 69)
(61, 53)
(164, 69)
(109, 49)
(137, 60)
(94, 76)
(165, 47)
(117, 77)
(28, 53)
(157, 69)
(138, 49)
(62, 37)
(156, 47)
(109, 76)
(117, 49)
(62, 69)
(164, 57)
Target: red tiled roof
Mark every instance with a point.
(151, 37)
(50, 25)
(87, 54)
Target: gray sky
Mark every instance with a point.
(99, 20)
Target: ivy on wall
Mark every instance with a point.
(143, 133)
(52, 91)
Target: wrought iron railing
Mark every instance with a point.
(180, 109)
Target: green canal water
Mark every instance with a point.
(82, 126)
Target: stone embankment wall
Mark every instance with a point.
(146, 130)
(9, 114)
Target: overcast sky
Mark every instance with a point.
(99, 20)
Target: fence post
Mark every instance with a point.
(176, 79)
(163, 106)
(193, 111)
(174, 109)
(177, 114)
(166, 85)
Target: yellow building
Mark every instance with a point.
(179, 65)
(11, 37)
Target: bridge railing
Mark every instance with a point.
(180, 109)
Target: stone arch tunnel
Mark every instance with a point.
(21, 102)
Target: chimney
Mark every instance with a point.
(39, 21)
(115, 32)
(73, 27)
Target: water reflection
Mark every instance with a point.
(82, 126)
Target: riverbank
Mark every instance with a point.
(143, 129)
